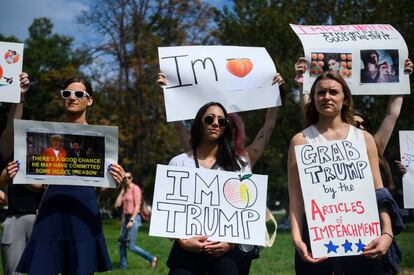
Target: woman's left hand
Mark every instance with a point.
(217, 249)
(378, 247)
(278, 79)
(117, 172)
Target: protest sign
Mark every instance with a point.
(224, 206)
(11, 62)
(407, 159)
(339, 197)
(240, 78)
(64, 153)
(369, 57)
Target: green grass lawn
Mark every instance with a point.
(275, 260)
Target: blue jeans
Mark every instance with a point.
(133, 232)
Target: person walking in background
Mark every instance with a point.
(130, 200)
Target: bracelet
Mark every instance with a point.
(386, 233)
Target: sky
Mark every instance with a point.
(17, 15)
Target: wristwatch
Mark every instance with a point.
(132, 220)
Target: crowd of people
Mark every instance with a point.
(58, 229)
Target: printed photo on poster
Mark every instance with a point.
(379, 66)
(11, 62)
(370, 57)
(64, 153)
(340, 63)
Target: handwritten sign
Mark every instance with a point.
(407, 159)
(224, 206)
(240, 78)
(11, 62)
(369, 57)
(339, 197)
(64, 153)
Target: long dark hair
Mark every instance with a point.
(311, 115)
(385, 168)
(226, 156)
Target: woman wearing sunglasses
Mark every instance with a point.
(67, 235)
(212, 146)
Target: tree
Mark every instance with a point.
(49, 59)
(266, 24)
(129, 33)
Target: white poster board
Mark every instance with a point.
(339, 197)
(369, 57)
(224, 206)
(64, 153)
(407, 159)
(240, 78)
(11, 63)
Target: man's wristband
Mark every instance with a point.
(132, 220)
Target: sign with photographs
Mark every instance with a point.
(240, 78)
(11, 63)
(225, 206)
(369, 57)
(407, 159)
(64, 153)
(339, 197)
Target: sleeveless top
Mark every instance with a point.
(313, 136)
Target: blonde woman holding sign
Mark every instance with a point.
(328, 116)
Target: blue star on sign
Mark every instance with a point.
(360, 246)
(347, 246)
(331, 247)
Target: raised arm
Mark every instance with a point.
(183, 133)
(15, 112)
(256, 149)
(384, 132)
(379, 246)
(300, 68)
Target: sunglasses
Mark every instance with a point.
(222, 121)
(360, 125)
(66, 94)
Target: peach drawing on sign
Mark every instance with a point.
(239, 67)
(240, 192)
(11, 57)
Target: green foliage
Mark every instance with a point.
(130, 32)
(266, 24)
(49, 59)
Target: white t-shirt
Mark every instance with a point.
(184, 160)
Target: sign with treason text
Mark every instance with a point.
(407, 159)
(339, 197)
(369, 57)
(64, 153)
(225, 206)
(240, 78)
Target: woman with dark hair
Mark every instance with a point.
(329, 116)
(67, 235)
(212, 147)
